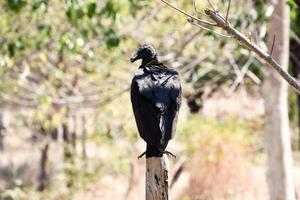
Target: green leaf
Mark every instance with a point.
(79, 13)
(11, 49)
(74, 14)
(238, 23)
(40, 4)
(19, 45)
(110, 10)
(45, 99)
(113, 42)
(15, 5)
(292, 4)
(41, 27)
(91, 9)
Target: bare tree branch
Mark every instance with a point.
(207, 29)
(273, 43)
(211, 5)
(244, 41)
(240, 73)
(253, 77)
(189, 15)
(227, 13)
(253, 47)
(195, 6)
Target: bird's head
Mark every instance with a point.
(145, 52)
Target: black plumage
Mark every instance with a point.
(156, 99)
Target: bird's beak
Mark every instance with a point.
(134, 57)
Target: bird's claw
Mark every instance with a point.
(169, 154)
(140, 156)
(164, 152)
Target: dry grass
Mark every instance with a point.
(224, 172)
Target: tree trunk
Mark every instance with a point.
(2, 133)
(279, 172)
(1, 140)
(83, 137)
(74, 133)
(68, 155)
(67, 136)
(157, 185)
(43, 177)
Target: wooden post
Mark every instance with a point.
(157, 185)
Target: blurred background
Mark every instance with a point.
(66, 126)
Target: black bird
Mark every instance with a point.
(156, 99)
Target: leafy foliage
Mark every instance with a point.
(295, 16)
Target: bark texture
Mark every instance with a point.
(68, 155)
(157, 184)
(279, 172)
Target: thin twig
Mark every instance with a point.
(239, 73)
(227, 13)
(196, 10)
(273, 43)
(207, 29)
(187, 14)
(211, 5)
(253, 77)
(195, 6)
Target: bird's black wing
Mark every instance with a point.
(156, 98)
(145, 115)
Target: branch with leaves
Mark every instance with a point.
(224, 24)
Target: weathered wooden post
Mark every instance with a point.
(157, 184)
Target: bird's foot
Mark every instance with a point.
(169, 154)
(140, 156)
(164, 152)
